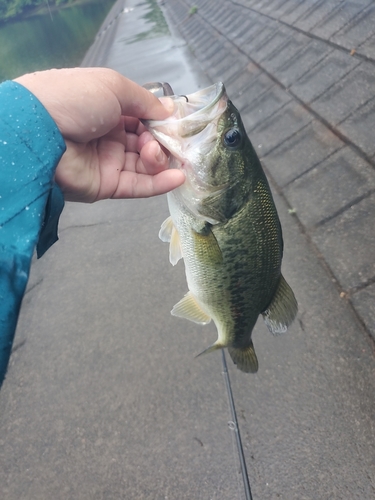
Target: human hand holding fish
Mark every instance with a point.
(109, 152)
(223, 223)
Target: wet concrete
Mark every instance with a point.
(104, 399)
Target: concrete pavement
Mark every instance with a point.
(104, 399)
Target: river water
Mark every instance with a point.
(52, 39)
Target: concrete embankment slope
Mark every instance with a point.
(104, 399)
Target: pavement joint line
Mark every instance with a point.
(352, 112)
(344, 75)
(369, 337)
(18, 345)
(284, 140)
(268, 117)
(335, 131)
(344, 208)
(34, 285)
(362, 286)
(315, 165)
(334, 45)
(79, 226)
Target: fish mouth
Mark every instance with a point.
(190, 134)
(192, 114)
(185, 105)
(201, 102)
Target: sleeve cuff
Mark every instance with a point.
(48, 234)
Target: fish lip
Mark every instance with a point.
(220, 92)
(218, 89)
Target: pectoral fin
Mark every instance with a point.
(189, 308)
(168, 233)
(207, 248)
(166, 229)
(282, 310)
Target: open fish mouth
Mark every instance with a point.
(192, 113)
(198, 101)
(190, 134)
(193, 121)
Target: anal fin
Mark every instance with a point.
(282, 309)
(189, 308)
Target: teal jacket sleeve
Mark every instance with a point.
(30, 203)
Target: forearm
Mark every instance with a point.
(30, 149)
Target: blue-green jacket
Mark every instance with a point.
(30, 203)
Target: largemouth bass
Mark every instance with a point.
(224, 224)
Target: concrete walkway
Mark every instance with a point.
(104, 399)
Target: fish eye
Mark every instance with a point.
(232, 138)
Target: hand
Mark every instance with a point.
(109, 152)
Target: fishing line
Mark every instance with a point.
(233, 426)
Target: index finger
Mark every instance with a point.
(137, 101)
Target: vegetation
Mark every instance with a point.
(12, 8)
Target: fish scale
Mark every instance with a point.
(224, 225)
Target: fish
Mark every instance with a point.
(224, 224)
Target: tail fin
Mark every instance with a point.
(245, 358)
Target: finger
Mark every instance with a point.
(144, 138)
(132, 124)
(152, 159)
(131, 143)
(135, 100)
(134, 185)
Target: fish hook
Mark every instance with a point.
(167, 89)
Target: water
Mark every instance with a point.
(154, 22)
(145, 48)
(52, 39)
